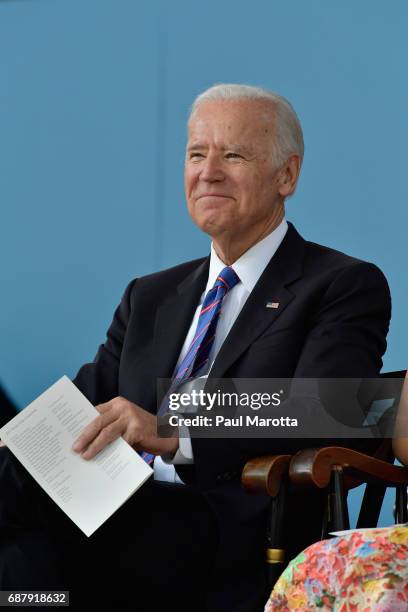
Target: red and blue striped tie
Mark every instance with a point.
(198, 354)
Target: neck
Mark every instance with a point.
(230, 247)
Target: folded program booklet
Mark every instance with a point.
(88, 491)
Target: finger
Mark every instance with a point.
(92, 430)
(105, 437)
(102, 408)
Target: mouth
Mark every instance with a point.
(212, 195)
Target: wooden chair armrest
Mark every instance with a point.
(264, 474)
(312, 467)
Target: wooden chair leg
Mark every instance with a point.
(338, 501)
(327, 520)
(401, 510)
(275, 551)
(371, 506)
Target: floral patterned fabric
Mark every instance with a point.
(361, 571)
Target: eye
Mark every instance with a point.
(232, 155)
(195, 155)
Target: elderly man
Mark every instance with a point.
(192, 538)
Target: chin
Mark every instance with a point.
(213, 224)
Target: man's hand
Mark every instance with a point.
(119, 417)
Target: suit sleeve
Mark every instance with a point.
(347, 337)
(347, 341)
(98, 380)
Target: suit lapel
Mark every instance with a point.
(174, 318)
(284, 268)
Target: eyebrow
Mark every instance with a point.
(234, 147)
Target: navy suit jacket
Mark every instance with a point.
(332, 321)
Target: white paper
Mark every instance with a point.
(362, 529)
(88, 490)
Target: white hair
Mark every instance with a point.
(288, 136)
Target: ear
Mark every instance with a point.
(289, 175)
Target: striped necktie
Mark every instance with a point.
(198, 354)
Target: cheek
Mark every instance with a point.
(248, 189)
(187, 181)
(190, 178)
(257, 188)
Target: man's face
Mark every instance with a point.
(230, 180)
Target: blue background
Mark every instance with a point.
(94, 96)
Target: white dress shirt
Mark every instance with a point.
(249, 268)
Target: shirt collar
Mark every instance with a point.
(253, 262)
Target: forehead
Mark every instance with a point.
(232, 121)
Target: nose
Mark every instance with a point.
(211, 170)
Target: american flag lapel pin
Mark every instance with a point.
(272, 304)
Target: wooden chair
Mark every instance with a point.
(332, 471)
(269, 475)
